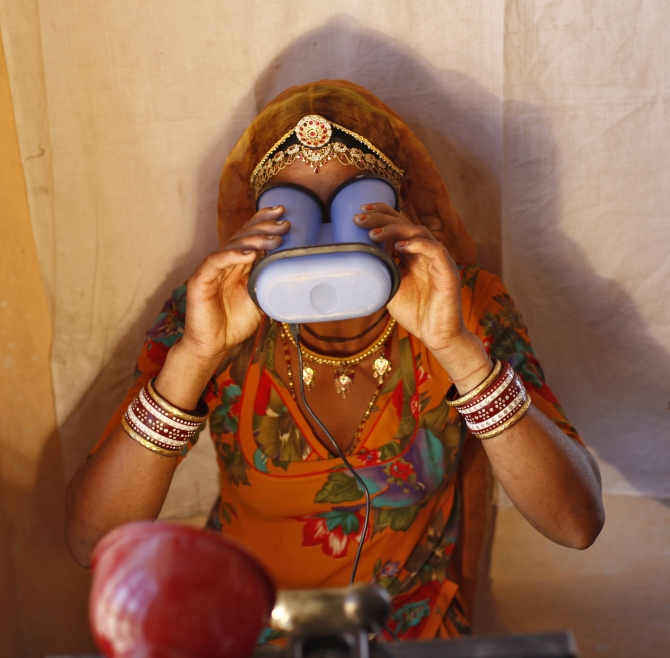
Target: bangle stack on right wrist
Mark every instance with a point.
(160, 426)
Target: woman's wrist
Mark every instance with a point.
(466, 361)
(184, 376)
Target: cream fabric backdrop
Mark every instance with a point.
(586, 219)
(547, 119)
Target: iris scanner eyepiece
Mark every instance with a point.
(327, 268)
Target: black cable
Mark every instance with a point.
(295, 331)
(391, 633)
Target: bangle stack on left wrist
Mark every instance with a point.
(499, 402)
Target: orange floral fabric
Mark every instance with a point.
(281, 492)
(300, 509)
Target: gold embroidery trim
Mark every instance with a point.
(376, 162)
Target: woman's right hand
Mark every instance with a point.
(219, 312)
(123, 481)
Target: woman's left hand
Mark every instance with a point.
(552, 480)
(428, 302)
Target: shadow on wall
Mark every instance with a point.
(605, 367)
(588, 333)
(52, 590)
(453, 115)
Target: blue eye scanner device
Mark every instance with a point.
(326, 268)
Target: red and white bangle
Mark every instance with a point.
(499, 402)
(160, 426)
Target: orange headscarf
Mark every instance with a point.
(355, 108)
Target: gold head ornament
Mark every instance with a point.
(313, 141)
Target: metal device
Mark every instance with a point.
(536, 645)
(328, 619)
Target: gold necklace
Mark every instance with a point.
(344, 372)
(291, 387)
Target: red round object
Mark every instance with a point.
(162, 590)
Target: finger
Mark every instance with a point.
(265, 214)
(435, 251)
(383, 208)
(215, 264)
(380, 218)
(262, 227)
(400, 231)
(254, 242)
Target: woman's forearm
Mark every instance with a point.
(123, 481)
(551, 479)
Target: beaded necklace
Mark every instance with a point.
(344, 372)
(385, 353)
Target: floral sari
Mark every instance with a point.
(284, 495)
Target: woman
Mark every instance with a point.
(378, 383)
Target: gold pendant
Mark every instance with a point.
(381, 367)
(308, 374)
(344, 378)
